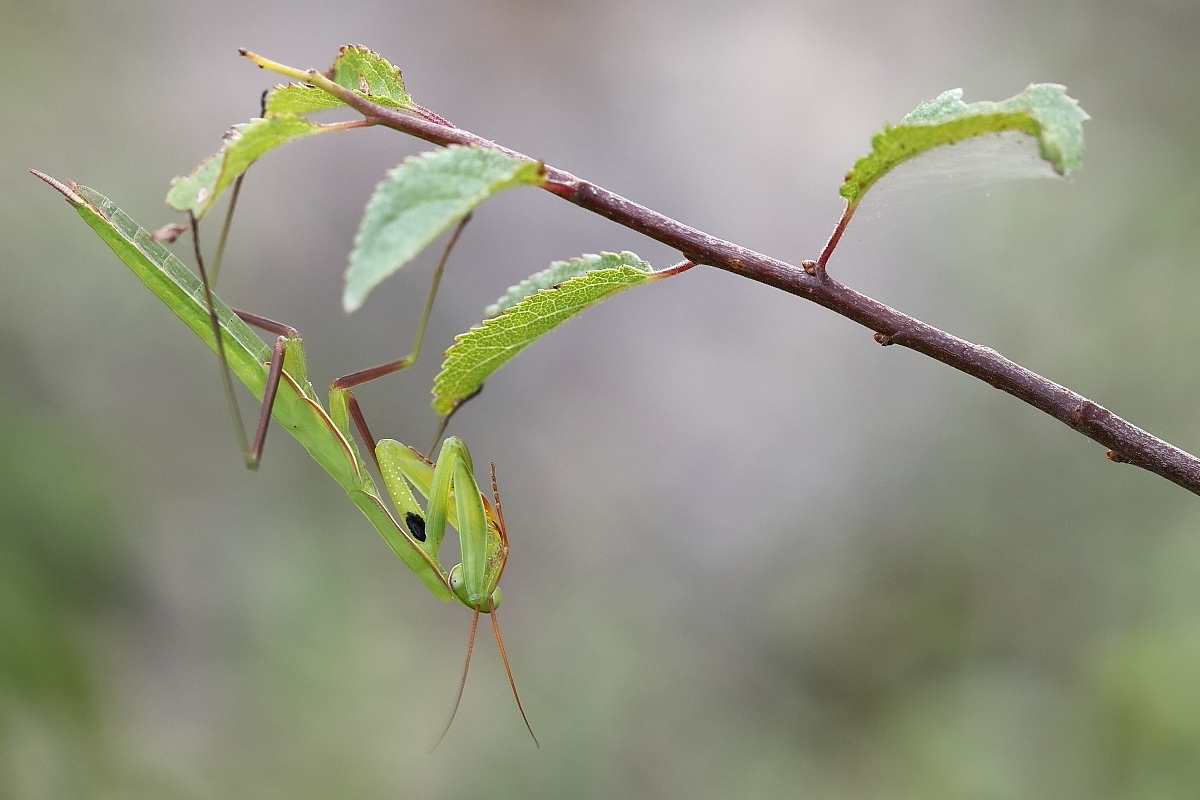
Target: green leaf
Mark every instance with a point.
(358, 69)
(479, 352)
(364, 71)
(299, 98)
(244, 144)
(1043, 111)
(558, 272)
(421, 199)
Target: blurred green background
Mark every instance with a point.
(754, 554)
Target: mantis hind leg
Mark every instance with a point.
(251, 448)
(346, 382)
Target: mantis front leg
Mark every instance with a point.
(454, 497)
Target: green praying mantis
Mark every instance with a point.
(278, 376)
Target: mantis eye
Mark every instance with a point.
(456, 580)
(415, 525)
(496, 599)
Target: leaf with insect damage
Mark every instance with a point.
(421, 199)
(1044, 111)
(244, 144)
(530, 309)
(358, 69)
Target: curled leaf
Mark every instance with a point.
(1043, 111)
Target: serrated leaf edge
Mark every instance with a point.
(524, 288)
(443, 404)
(352, 301)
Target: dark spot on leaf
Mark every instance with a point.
(416, 525)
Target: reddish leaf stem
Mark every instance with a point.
(836, 236)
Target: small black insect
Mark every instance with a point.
(416, 525)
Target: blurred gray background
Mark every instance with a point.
(754, 554)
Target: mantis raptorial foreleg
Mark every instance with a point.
(453, 496)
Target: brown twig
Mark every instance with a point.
(1126, 443)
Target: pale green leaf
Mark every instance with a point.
(421, 199)
(1043, 111)
(244, 144)
(356, 68)
(479, 352)
(299, 98)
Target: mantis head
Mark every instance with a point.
(458, 585)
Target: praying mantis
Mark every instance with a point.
(279, 376)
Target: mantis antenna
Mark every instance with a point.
(496, 521)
